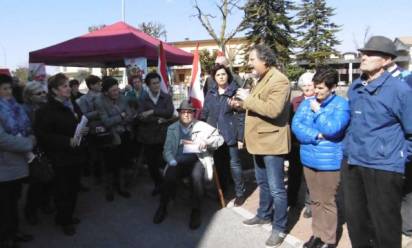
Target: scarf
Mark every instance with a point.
(14, 118)
(154, 98)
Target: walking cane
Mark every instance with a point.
(219, 187)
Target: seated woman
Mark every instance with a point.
(16, 142)
(55, 125)
(319, 124)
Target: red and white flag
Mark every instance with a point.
(196, 92)
(162, 70)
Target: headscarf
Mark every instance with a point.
(14, 118)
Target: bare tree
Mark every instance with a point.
(225, 7)
(154, 29)
(366, 36)
(96, 27)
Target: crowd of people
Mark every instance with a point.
(358, 148)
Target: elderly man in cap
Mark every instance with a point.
(187, 151)
(377, 146)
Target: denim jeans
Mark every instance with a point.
(236, 170)
(273, 200)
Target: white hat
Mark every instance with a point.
(305, 78)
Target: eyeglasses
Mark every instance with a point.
(40, 93)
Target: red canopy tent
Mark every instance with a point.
(5, 71)
(108, 47)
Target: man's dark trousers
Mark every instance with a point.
(372, 197)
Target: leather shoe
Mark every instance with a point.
(156, 191)
(83, 188)
(31, 218)
(195, 219)
(9, 244)
(75, 221)
(69, 230)
(109, 196)
(313, 242)
(47, 209)
(239, 201)
(308, 213)
(23, 237)
(124, 193)
(160, 215)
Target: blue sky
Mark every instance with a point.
(28, 25)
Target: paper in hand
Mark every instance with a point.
(191, 148)
(242, 94)
(78, 134)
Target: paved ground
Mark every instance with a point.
(127, 223)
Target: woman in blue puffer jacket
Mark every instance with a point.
(319, 125)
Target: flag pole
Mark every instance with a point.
(123, 11)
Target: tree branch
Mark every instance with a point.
(204, 20)
(223, 10)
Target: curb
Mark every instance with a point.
(290, 239)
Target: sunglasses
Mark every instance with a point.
(40, 93)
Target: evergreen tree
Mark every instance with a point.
(317, 34)
(269, 22)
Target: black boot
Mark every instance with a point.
(121, 189)
(195, 219)
(109, 187)
(23, 237)
(313, 242)
(109, 194)
(31, 217)
(69, 230)
(160, 214)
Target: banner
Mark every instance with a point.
(136, 66)
(196, 92)
(162, 69)
(37, 72)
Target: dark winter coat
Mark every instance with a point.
(218, 113)
(55, 124)
(150, 131)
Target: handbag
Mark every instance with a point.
(100, 135)
(40, 169)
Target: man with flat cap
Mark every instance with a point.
(187, 151)
(377, 145)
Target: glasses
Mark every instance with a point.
(40, 93)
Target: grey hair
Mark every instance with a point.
(305, 78)
(30, 88)
(265, 54)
